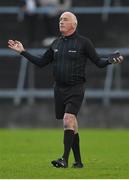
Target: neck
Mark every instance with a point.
(68, 33)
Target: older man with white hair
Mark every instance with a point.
(68, 55)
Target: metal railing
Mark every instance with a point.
(80, 10)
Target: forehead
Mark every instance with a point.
(66, 16)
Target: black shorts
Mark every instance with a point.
(68, 99)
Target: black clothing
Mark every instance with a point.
(76, 148)
(59, 163)
(68, 56)
(77, 165)
(68, 99)
(68, 141)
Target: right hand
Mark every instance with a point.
(16, 45)
(115, 58)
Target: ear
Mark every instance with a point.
(74, 25)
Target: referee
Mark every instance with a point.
(68, 55)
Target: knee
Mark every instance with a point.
(69, 121)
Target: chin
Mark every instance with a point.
(62, 30)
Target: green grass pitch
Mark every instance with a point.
(27, 153)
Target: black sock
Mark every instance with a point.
(68, 141)
(76, 148)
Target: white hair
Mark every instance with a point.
(74, 18)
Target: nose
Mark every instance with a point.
(61, 21)
(60, 24)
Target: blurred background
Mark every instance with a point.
(26, 91)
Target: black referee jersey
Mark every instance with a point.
(68, 56)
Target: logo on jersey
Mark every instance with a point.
(55, 50)
(72, 51)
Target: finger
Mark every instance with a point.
(11, 47)
(121, 57)
(18, 42)
(11, 42)
(15, 45)
(118, 59)
(114, 60)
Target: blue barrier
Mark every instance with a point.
(80, 10)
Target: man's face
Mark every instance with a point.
(66, 23)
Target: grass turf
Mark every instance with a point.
(27, 153)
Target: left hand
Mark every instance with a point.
(115, 58)
(16, 45)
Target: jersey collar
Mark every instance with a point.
(69, 37)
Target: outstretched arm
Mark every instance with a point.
(115, 58)
(45, 59)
